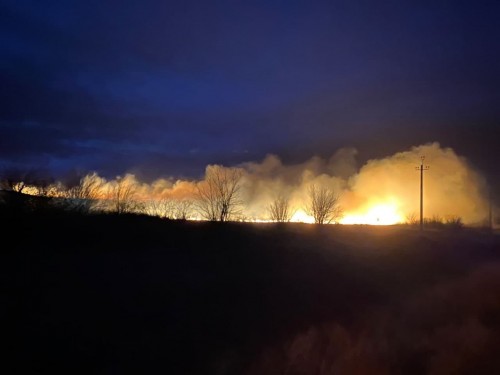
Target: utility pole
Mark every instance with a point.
(490, 213)
(422, 168)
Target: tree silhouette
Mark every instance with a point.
(182, 209)
(163, 208)
(16, 180)
(86, 194)
(123, 195)
(323, 204)
(218, 196)
(279, 210)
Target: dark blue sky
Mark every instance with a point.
(166, 87)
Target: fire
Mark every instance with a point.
(381, 192)
(300, 216)
(378, 214)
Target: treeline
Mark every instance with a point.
(218, 197)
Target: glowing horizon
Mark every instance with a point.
(376, 214)
(382, 192)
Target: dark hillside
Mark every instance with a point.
(133, 294)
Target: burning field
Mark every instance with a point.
(226, 274)
(250, 187)
(381, 192)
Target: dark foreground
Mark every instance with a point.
(113, 295)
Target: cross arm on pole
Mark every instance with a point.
(422, 168)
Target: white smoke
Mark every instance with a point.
(451, 186)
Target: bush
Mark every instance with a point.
(454, 222)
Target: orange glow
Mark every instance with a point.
(301, 217)
(381, 192)
(377, 214)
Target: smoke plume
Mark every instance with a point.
(382, 191)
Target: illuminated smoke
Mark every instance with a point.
(451, 186)
(382, 191)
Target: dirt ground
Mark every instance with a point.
(130, 294)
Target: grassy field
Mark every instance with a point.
(130, 294)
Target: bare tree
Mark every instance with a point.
(123, 196)
(323, 204)
(169, 208)
(89, 187)
(31, 183)
(182, 209)
(17, 186)
(279, 209)
(44, 187)
(16, 180)
(411, 219)
(218, 196)
(164, 208)
(151, 207)
(85, 195)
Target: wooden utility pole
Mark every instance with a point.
(422, 168)
(490, 213)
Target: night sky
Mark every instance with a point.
(162, 88)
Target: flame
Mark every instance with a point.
(300, 216)
(381, 192)
(377, 214)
